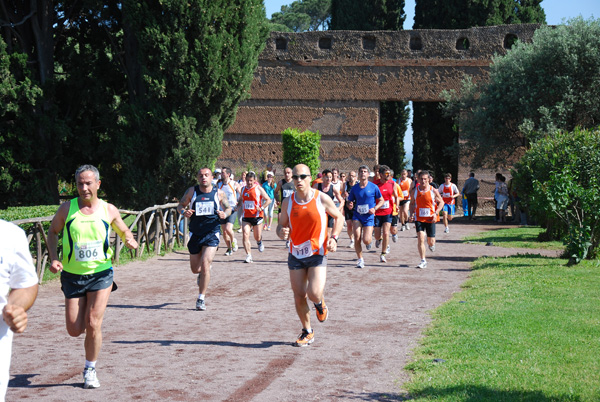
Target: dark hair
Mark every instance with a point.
(327, 171)
(448, 175)
(383, 169)
(250, 175)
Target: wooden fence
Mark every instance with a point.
(154, 228)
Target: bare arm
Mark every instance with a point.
(184, 202)
(439, 201)
(19, 301)
(338, 196)
(121, 228)
(225, 205)
(380, 202)
(56, 226)
(283, 225)
(265, 198)
(338, 223)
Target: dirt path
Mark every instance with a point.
(157, 347)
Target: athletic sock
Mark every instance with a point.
(89, 364)
(201, 296)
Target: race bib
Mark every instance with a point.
(447, 195)
(385, 205)
(303, 250)
(205, 208)
(405, 193)
(248, 204)
(362, 209)
(424, 212)
(91, 251)
(287, 193)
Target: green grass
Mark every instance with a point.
(519, 237)
(525, 328)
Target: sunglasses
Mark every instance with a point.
(301, 177)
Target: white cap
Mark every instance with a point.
(217, 170)
(269, 173)
(371, 174)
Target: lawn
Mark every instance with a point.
(524, 328)
(519, 237)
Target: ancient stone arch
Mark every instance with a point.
(333, 82)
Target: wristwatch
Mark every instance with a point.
(335, 238)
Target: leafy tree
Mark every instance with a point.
(373, 16)
(304, 15)
(435, 138)
(536, 88)
(558, 179)
(301, 147)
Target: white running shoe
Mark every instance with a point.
(248, 258)
(387, 249)
(447, 230)
(382, 258)
(370, 246)
(261, 247)
(422, 265)
(90, 380)
(351, 245)
(200, 305)
(360, 263)
(407, 226)
(402, 228)
(432, 248)
(240, 230)
(235, 245)
(395, 238)
(228, 252)
(377, 243)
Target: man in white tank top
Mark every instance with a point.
(232, 191)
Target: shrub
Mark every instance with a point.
(558, 179)
(301, 148)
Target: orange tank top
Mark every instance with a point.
(251, 202)
(405, 188)
(425, 206)
(308, 227)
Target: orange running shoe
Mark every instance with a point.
(322, 311)
(305, 338)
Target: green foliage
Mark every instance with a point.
(392, 126)
(37, 211)
(301, 147)
(536, 88)
(435, 138)
(367, 16)
(18, 95)
(558, 179)
(304, 15)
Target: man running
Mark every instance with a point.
(405, 186)
(368, 200)
(208, 206)
(285, 188)
(304, 221)
(383, 216)
(254, 200)
(449, 193)
(425, 205)
(86, 271)
(231, 189)
(349, 206)
(328, 188)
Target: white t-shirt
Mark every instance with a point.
(16, 272)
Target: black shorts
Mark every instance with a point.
(348, 214)
(308, 262)
(330, 221)
(427, 227)
(196, 242)
(381, 219)
(74, 286)
(404, 202)
(253, 221)
(394, 220)
(229, 219)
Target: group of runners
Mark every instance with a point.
(312, 214)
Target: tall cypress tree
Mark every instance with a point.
(435, 139)
(373, 16)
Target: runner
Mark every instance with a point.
(449, 193)
(254, 200)
(270, 187)
(208, 207)
(304, 221)
(395, 211)
(405, 186)
(337, 184)
(328, 188)
(231, 189)
(383, 216)
(18, 290)
(349, 206)
(368, 200)
(240, 211)
(86, 271)
(285, 188)
(425, 206)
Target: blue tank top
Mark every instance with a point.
(205, 205)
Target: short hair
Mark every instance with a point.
(205, 167)
(424, 173)
(383, 169)
(471, 174)
(250, 174)
(327, 171)
(226, 170)
(448, 175)
(335, 170)
(364, 167)
(87, 168)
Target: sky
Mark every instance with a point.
(557, 11)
